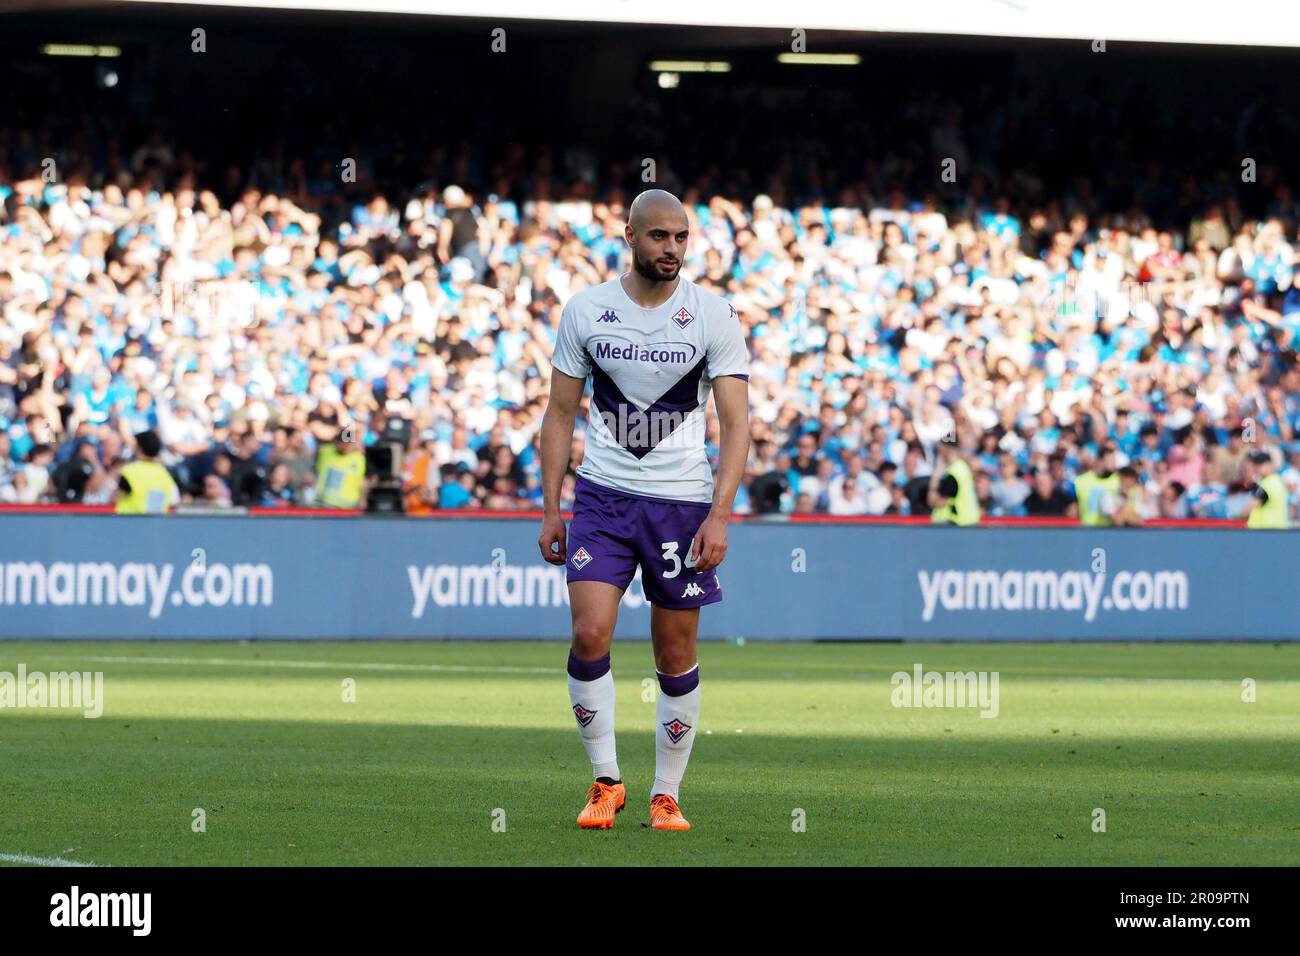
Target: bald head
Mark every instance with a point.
(657, 230)
(654, 206)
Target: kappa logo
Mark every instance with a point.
(609, 316)
(677, 729)
(581, 558)
(692, 590)
(585, 716)
(682, 318)
(733, 310)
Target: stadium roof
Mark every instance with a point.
(1242, 22)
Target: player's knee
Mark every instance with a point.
(675, 660)
(591, 638)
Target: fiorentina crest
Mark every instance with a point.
(677, 729)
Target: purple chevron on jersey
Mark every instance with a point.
(651, 372)
(652, 424)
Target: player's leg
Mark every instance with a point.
(591, 694)
(600, 566)
(676, 593)
(591, 683)
(673, 632)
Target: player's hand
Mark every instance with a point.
(709, 546)
(554, 533)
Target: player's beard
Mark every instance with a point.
(649, 269)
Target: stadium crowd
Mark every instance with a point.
(261, 331)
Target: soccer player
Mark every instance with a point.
(654, 345)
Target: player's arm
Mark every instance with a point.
(556, 442)
(570, 366)
(731, 394)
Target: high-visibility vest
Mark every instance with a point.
(1088, 490)
(339, 477)
(963, 508)
(152, 489)
(1271, 513)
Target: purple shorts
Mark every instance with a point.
(614, 531)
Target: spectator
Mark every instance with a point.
(1173, 501)
(278, 491)
(1047, 499)
(1227, 460)
(8, 468)
(846, 497)
(768, 491)
(1007, 494)
(30, 480)
(248, 472)
(288, 448)
(898, 503)
(1125, 506)
(215, 492)
(420, 477)
(805, 463)
(456, 490)
(818, 485)
(461, 234)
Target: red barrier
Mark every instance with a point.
(536, 515)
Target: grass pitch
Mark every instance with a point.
(444, 739)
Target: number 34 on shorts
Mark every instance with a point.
(612, 532)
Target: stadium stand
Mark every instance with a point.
(249, 313)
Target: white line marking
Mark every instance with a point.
(313, 665)
(26, 860)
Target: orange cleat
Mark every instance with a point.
(603, 801)
(665, 814)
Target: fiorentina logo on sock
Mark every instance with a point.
(677, 729)
(584, 715)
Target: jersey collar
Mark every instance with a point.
(672, 299)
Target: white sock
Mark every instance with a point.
(676, 715)
(591, 693)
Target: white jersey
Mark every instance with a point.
(651, 373)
